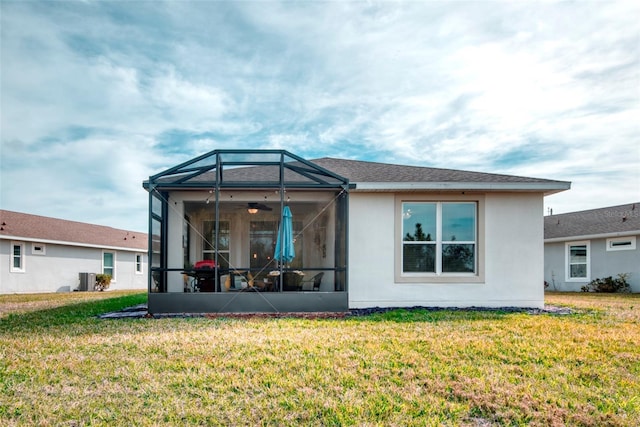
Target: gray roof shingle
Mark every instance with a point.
(593, 222)
(361, 171)
(372, 176)
(34, 227)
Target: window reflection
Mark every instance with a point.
(439, 237)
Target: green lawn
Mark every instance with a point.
(61, 366)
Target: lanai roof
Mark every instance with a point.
(609, 221)
(245, 169)
(42, 229)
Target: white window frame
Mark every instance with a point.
(567, 259)
(138, 261)
(113, 276)
(12, 257)
(621, 243)
(439, 277)
(38, 249)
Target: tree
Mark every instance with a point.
(419, 235)
(418, 257)
(458, 258)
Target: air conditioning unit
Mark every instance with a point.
(87, 282)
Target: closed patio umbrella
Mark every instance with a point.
(285, 250)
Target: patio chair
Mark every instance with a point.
(313, 283)
(291, 281)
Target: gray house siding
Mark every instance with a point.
(44, 254)
(603, 263)
(57, 270)
(611, 263)
(555, 269)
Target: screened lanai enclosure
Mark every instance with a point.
(247, 231)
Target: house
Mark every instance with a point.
(364, 234)
(42, 254)
(592, 244)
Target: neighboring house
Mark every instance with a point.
(42, 254)
(593, 244)
(381, 235)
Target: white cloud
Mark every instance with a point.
(187, 105)
(540, 89)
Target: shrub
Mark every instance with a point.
(609, 284)
(102, 281)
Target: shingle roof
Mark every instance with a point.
(271, 168)
(602, 221)
(361, 171)
(383, 173)
(18, 225)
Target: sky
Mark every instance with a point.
(96, 96)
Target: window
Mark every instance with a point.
(138, 263)
(439, 238)
(109, 265)
(578, 268)
(621, 243)
(224, 239)
(38, 249)
(17, 257)
(262, 243)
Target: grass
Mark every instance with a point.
(61, 366)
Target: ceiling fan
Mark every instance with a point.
(254, 207)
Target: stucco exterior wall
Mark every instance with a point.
(57, 270)
(510, 255)
(603, 264)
